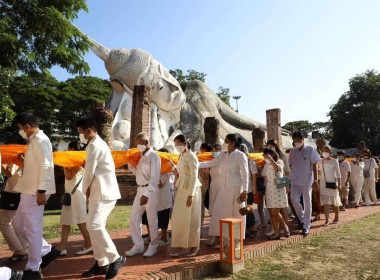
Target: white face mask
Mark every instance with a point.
(82, 139)
(354, 159)
(23, 134)
(325, 154)
(225, 146)
(298, 144)
(215, 154)
(141, 148)
(180, 148)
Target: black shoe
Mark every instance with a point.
(305, 232)
(50, 257)
(300, 226)
(30, 275)
(278, 237)
(16, 274)
(115, 267)
(96, 270)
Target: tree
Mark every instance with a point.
(37, 34)
(191, 75)
(356, 115)
(58, 104)
(6, 103)
(224, 94)
(303, 126)
(324, 128)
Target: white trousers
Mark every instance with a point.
(303, 214)
(369, 188)
(6, 228)
(5, 273)
(28, 225)
(357, 185)
(104, 249)
(136, 216)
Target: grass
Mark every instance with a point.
(349, 252)
(118, 219)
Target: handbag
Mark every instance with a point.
(66, 197)
(9, 200)
(366, 173)
(282, 182)
(257, 198)
(329, 185)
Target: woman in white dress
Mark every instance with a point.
(186, 216)
(330, 175)
(233, 183)
(275, 198)
(76, 213)
(371, 176)
(357, 178)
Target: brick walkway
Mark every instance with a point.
(162, 266)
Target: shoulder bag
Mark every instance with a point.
(329, 185)
(366, 172)
(66, 197)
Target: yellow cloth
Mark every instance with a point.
(11, 153)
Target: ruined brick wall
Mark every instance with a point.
(274, 125)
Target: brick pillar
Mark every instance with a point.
(274, 125)
(258, 139)
(141, 108)
(211, 129)
(103, 118)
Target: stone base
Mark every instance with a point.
(231, 268)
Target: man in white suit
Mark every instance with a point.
(36, 185)
(102, 190)
(148, 172)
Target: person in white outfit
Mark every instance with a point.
(233, 189)
(15, 243)
(345, 173)
(357, 178)
(329, 184)
(76, 213)
(371, 176)
(36, 185)
(102, 190)
(147, 173)
(186, 216)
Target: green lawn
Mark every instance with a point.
(118, 219)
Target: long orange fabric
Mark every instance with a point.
(11, 154)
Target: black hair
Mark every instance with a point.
(341, 152)
(217, 147)
(367, 151)
(235, 139)
(273, 154)
(275, 144)
(164, 150)
(297, 134)
(181, 138)
(27, 118)
(75, 145)
(206, 146)
(87, 123)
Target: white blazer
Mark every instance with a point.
(188, 173)
(99, 172)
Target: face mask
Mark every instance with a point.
(298, 145)
(340, 157)
(325, 154)
(141, 148)
(215, 154)
(267, 160)
(23, 134)
(367, 157)
(82, 139)
(354, 159)
(180, 149)
(225, 146)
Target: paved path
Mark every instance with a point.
(162, 266)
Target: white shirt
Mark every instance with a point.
(38, 171)
(99, 172)
(165, 199)
(370, 164)
(356, 171)
(344, 167)
(148, 171)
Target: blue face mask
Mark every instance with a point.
(215, 154)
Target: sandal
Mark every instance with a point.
(18, 257)
(162, 243)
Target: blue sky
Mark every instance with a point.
(294, 55)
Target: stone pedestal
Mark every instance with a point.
(211, 130)
(103, 118)
(141, 110)
(258, 139)
(274, 125)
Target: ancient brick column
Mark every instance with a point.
(103, 118)
(141, 108)
(274, 125)
(258, 139)
(211, 130)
